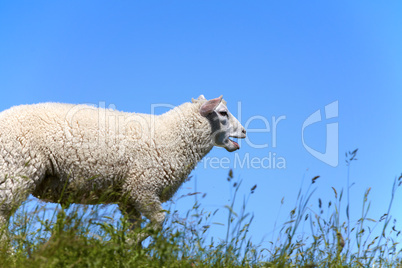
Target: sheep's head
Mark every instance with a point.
(224, 124)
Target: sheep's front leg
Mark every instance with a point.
(133, 217)
(155, 213)
(149, 207)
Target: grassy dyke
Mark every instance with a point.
(87, 236)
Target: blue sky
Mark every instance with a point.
(287, 58)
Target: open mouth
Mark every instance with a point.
(235, 143)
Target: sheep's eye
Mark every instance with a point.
(223, 113)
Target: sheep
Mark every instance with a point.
(66, 153)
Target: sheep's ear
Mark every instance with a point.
(201, 97)
(210, 106)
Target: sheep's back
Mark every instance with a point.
(74, 140)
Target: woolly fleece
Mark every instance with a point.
(99, 155)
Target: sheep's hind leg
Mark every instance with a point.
(3, 229)
(14, 189)
(8, 203)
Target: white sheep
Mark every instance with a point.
(83, 154)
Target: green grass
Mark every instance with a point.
(87, 236)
